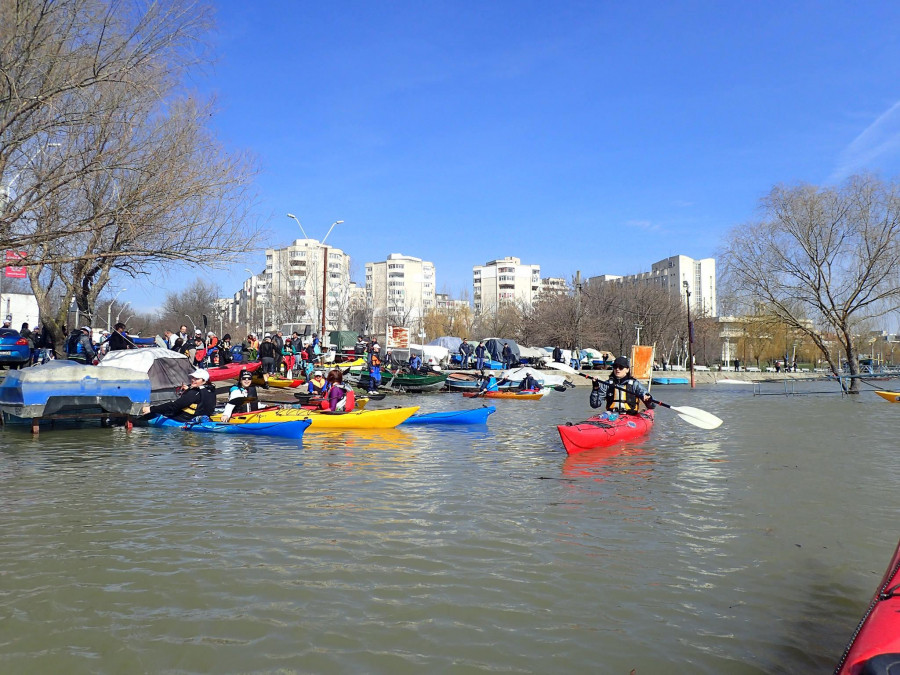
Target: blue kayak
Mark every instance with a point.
(291, 429)
(474, 416)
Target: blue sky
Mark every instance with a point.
(594, 136)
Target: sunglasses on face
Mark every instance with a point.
(248, 379)
(620, 367)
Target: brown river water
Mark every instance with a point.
(753, 548)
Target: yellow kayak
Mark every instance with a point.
(892, 396)
(276, 381)
(357, 419)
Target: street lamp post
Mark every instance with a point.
(119, 313)
(638, 327)
(251, 313)
(109, 309)
(687, 290)
(291, 215)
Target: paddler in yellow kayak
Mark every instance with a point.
(242, 390)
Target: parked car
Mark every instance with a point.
(14, 349)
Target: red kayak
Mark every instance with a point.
(874, 648)
(605, 430)
(231, 371)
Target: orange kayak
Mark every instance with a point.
(528, 396)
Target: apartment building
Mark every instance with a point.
(291, 289)
(400, 290)
(505, 280)
(671, 274)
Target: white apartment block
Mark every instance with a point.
(293, 286)
(671, 274)
(554, 286)
(505, 280)
(443, 301)
(400, 290)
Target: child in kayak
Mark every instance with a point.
(242, 390)
(621, 392)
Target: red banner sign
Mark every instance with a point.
(397, 337)
(15, 272)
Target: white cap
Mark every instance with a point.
(87, 328)
(210, 334)
(318, 372)
(197, 331)
(201, 373)
(267, 335)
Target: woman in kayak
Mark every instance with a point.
(337, 392)
(242, 390)
(621, 392)
(196, 400)
(528, 383)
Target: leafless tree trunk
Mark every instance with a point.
(822, 260)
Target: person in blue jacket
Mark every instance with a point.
(480, 351)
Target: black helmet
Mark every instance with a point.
(245, 373)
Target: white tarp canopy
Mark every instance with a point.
(545, 378)
(432, 354)
(531, 352)
(560, 366)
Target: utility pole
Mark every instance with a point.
(577, 354)
(687, 290)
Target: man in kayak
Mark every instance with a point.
(621, 392)
(242, 390)
(196, 400)
(528, 383)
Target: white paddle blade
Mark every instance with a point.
(697, 417)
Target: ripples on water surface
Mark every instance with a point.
(753, 548)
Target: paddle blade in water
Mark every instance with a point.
(697, 417)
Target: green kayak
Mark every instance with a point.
(404, 381)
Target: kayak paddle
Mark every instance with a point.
(696, 416)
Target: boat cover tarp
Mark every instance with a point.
(67, 385)
(167, 369)
(547, 379)
(561, 366)
(342, 339)
(433, 354)
(495, 348)
(451, 344)
(531, 352)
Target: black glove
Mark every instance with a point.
(595, 384)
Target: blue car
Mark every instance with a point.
(14, 349)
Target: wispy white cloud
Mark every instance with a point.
(642, 225)
(877, 141)
(680, 203)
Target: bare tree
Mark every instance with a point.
(822, 260)
(137, 181)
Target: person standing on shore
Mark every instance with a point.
(480, 351)
(464, 351)
(267, 356)
(79, 347)
(507, 356)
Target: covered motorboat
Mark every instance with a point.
(435, 355)
(494, 347)
(166, 369)
(68, 387)
(451, 344)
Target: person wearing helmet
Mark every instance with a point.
(244, 389)
(621, 393)
(198, 399)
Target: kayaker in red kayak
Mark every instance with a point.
(621, 392)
